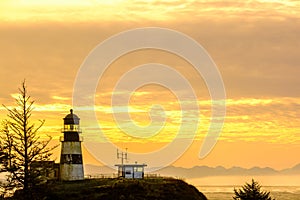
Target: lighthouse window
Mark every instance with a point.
(77, 158)
(71, 159)
(71, 127)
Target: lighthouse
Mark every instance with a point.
(71, 166)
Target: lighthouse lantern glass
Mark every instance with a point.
(71, 127)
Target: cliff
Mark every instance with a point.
(113, 189)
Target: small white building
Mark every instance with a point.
(135, 171)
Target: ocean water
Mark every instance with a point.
(226, 192)
(221, 188)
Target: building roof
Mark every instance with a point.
(131, 165)
(71, 118)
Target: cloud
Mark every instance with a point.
(255, 47)
(136, 10)
(255, 44)
(256, 57)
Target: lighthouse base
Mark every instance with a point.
(71, 165)
(71, 172)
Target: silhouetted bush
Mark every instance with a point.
(251, 192)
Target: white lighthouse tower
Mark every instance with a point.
(71, 166)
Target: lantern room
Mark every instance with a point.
(71, 128)
(71, 122)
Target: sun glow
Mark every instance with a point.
(62, 3)
(254, 43)
(116, 10)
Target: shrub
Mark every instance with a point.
(251, 191)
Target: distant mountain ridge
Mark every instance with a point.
(203, 171)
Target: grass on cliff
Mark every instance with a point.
(120, 188)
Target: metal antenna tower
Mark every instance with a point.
(122, 155)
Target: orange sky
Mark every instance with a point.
(255, 44)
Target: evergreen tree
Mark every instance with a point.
(251, 192)
(5, 146)
(21, 145)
